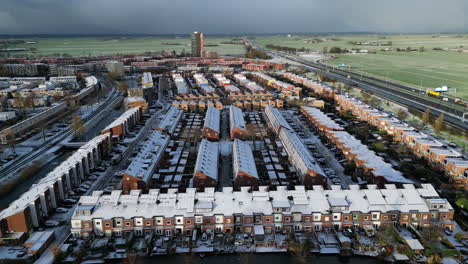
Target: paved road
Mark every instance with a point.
(453, 115)
(62, 232)
(25, 159)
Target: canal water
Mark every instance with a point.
(253, 259)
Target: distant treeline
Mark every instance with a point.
(286, 49)
(171, 44)
(256, 54)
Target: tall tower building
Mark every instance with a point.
(197, 44)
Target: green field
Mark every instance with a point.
(107, 46)
(429, 69)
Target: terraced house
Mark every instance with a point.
(281, 210)
(437, 153)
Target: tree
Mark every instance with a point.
(421, 49)
(77, 125)
(20, 102)
(375, 102)
(402, 114)
(114, 75)
(430, 236)
(439, 123)
(123, 87)
(426, 116)
(335, 50)
(325, 50)
(29, 100)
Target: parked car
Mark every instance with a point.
(61, 210)
(70, 201)
(52, 223)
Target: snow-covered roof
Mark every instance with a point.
(228, 202)
(378, 166)
(212, 118)
(171, 119)
(236, 117)
(152, 150)
(207, 159)
(180, 84)
(321, 118)
(299, 154)
(43, 185)
(243, 159)
(123, 117)
(276, 119)
(147, 80)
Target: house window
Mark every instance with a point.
(355, 217)
(316, 217)
(375, 216)
(179, 221)
(148, 223)
(107, 224)
(267, 220)
(158, 231)
(385, 217)
(366, 218)
(307, 219)
(346, 218)
(336, 217)
(86, 225)
(189, 222)
(127, 223)
(405, 217)
(228, 221)
(168, 222)
(327, 218)
(118, 222)
(317, 227)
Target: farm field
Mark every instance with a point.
(428, 69)
(95, 46)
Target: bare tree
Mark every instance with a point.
(402, 114)
(77, 125)
(426, 116)
(439, 123)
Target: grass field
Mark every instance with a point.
(429, 69)
(107, 46)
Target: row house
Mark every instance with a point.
(243, 163)
(121, 126)
(320, 120)
(422, 145)
(237, 123)
(138, 174)
(272, 82)
(264, 211)
(193, 97)
(211, 125)
(299, 156)
(248, 84)
(33, 208)
(206, 167)
(318, 88)
(365, 160)
(275, 119)
(170, 121)
(195, 106)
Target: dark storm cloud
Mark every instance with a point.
(222, 16)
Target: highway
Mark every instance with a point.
(454, 114)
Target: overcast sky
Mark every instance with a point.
(231, 16)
